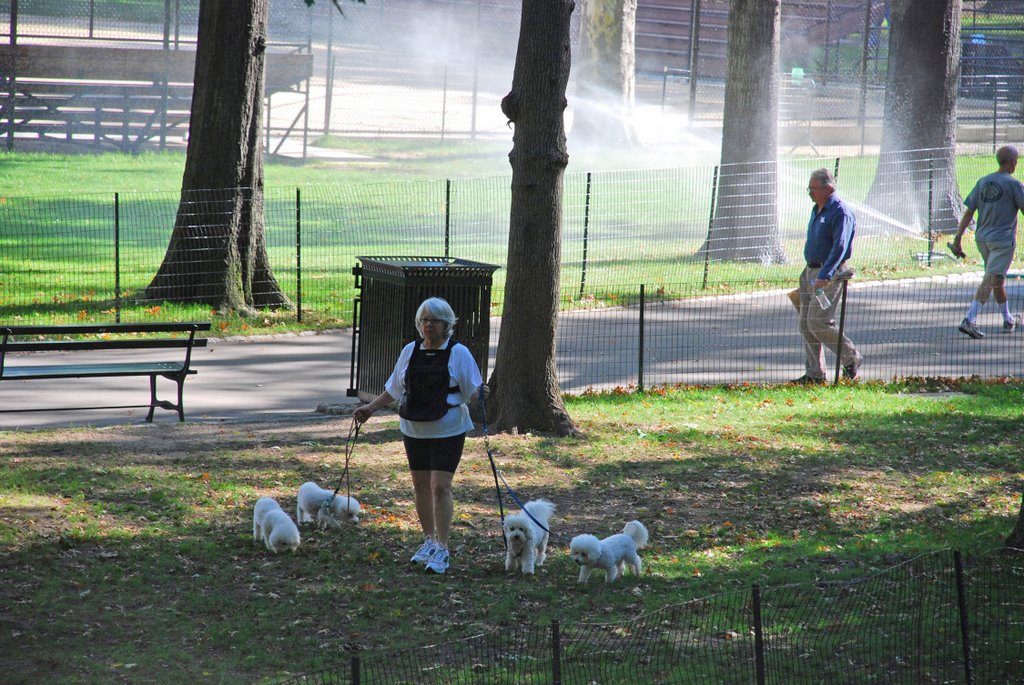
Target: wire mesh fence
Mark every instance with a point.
(440, 68)
(937, 618)
(650, 292)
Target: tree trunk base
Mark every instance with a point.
(1016, 539)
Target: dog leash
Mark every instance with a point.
(350, 445)
(513, 494)
(494, 469)
(497, 475)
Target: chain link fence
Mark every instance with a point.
(937, 618)
(645, 297)
(440, 68)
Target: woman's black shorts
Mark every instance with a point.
(434, 454)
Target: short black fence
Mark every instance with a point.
(650, 295)
(938, 618)
(656, 336)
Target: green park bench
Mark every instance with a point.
(48, 341)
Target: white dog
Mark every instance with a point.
(273, 527)
(527, 543)
(610, 554)
(313, 506)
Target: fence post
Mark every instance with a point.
(842, 327)
(444, 100)
(711, 222)
(298, 254)
(556, 655)
(586, 229)
(165, 92)
(835, 169)
(329, 94)
(863, 109)
(12, 90)
(355, 669)
(758, 635)
(931, 187)
(995, 112)
(664, 86)
(694, 55)
(828, 39)
(447, 216)
(476, 73)
(640, 352)
(961, 600)
(117, 257)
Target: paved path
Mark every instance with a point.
(266, 378)
(903, 328)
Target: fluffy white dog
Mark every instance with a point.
(273, 527)
(527, 543)
(610, 554)
(313, 506)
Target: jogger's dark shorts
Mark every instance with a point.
(434, 454)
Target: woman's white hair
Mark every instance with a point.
(436, 308)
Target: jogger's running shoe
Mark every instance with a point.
(969, 329)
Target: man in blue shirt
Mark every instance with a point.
(828, 247)
(996, 198)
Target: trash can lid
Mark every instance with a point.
(409, 265)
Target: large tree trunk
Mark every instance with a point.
(525, 388)
(917, 157)
(746, 223)
(217, 253)
(606, 74)
(1016, 539)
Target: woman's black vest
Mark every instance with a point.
(426, 385)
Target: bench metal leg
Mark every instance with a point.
(181, 405)
(152, 398)
(164, 404)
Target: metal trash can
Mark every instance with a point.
(392, 288)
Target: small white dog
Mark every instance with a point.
(273, 527)
(313, 505)
(527, 543)
(610, 554)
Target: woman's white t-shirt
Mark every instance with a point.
(464, 373)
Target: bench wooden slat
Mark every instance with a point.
(92, 328)
(94, 370)
(120, 344)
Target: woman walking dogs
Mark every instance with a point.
(433, 382)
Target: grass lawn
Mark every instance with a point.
(126, 553)
(394, 203)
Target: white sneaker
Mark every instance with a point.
(970, 329)
(438, 562)
(423, 554)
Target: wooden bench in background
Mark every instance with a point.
(45, 341)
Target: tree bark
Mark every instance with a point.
(745, 227)
(606, 74)
(525, 392)
(1016, 539)
(917, 156)
(217, 253)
